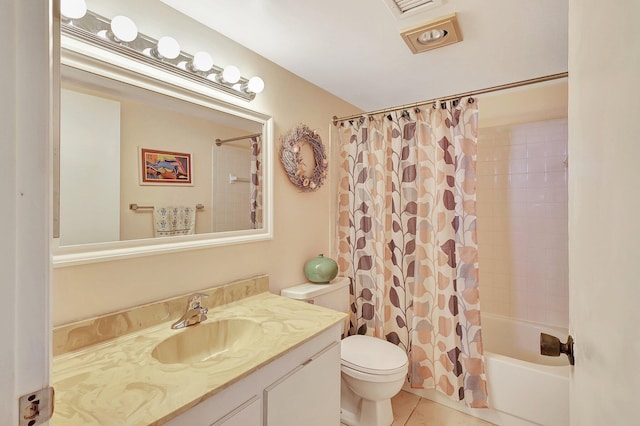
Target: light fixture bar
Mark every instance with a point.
(142, 49)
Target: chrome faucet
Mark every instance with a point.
(196, 313)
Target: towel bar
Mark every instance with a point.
(137, 207)
(235, 179)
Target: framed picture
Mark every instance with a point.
(165, 168)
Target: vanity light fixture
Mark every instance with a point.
(167, 47)
(120, 35)
(201, 61)
(123, 29)
(254, 85)
(72, 9)
(230, 74)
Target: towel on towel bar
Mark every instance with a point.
(174, 220)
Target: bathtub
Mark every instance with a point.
(525, 388)
(522, 383)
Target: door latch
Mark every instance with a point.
(36, 407)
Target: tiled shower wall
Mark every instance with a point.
(522, 221)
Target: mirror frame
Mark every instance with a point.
(96, 60)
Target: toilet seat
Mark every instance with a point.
(372, 356)
(374, 378)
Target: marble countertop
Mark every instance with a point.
(120, 382)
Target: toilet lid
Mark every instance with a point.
(371, 355)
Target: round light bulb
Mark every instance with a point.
(201, 61)
(124, 29)
(231, 74)
(167, 47)
(73, 9)
(255, 85)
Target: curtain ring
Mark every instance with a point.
(389, 117)
(471, 100)
(371, 118)
(417, 110)
(361, 120)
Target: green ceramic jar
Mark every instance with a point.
(321, 270)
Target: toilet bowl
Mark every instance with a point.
(372, 370)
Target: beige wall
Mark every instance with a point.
(156, 128)
(148, 127)
(545, 101)
(303, 221)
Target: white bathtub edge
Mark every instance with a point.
(487, 414)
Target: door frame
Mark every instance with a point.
(26, 30)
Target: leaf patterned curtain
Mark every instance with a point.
(255, 183)
(407, 240)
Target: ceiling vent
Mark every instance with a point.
(403, 8)
(438, 33)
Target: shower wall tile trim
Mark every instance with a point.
(522, 221)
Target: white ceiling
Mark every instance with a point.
(353, 48)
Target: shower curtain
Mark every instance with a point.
(255, 183)
(406, 238)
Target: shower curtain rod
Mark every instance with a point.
(458, 96)
(239, 138)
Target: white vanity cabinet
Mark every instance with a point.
(300, 387)
(308, 395)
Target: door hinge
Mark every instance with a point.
(36, 407)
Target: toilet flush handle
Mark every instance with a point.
(552, 346)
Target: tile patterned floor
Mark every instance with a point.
(411, 410)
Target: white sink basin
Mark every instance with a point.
(207, 340)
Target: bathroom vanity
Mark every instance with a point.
(268, 360)
(298, 388)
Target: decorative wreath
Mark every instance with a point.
(293, 162)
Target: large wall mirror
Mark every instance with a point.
(136, 144)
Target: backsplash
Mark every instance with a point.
(74, 336)
(522, 221)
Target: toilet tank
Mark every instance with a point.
(334, 295)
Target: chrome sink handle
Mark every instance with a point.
(196, 313)
(194, 301)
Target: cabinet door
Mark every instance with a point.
(234, 408)
(245, 415)
(309, 395)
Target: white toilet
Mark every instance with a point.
(373, 370)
